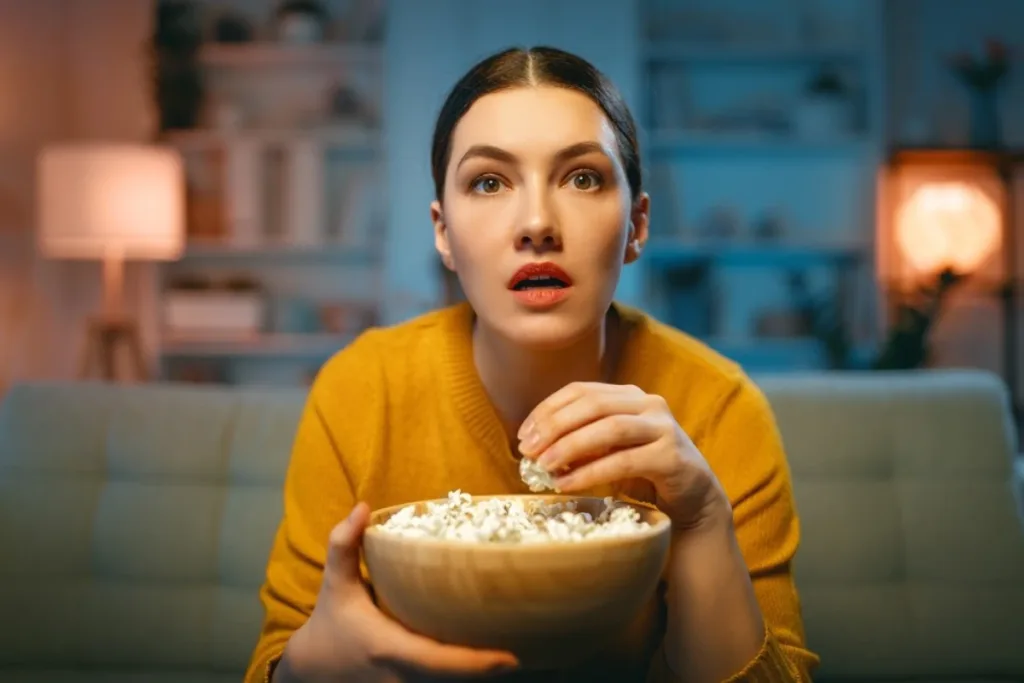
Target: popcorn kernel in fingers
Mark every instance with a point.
(536, 478)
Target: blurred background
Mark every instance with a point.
(201, 202)
(832, 180)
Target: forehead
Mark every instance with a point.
(535, 118)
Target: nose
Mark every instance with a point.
(538, 226)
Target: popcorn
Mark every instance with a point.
(510, 520)
(536, 477)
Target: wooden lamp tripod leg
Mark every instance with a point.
(111, 329)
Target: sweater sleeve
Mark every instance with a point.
(318, 493)
(742, 444)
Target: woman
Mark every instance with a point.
(539, 204)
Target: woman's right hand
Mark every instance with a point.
(347, 638)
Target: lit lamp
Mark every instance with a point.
(947, 225)
(948, 214)
(111, 202)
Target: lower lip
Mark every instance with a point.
(540, 297)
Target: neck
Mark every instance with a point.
(517, 379)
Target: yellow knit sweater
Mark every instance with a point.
(401, 415)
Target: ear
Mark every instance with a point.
(639, 226)
(441, 235)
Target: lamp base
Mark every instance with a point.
(105, 335)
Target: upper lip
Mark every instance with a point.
(546, 269)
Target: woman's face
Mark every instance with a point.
(537, 219)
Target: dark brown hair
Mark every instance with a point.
(517, 67)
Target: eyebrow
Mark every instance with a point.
(499, 154)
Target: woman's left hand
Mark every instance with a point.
(590, 434)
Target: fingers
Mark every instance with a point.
(343, 547)
(613, 433)
(564, 396)
(400, 648)
(573, 407)
(631, 463)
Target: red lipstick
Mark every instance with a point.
(540, 285)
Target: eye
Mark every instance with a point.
(487, 185)
(585, 181)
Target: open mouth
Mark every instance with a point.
(534, 276)
(539, 282)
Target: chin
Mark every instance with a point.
(540, 334)
(550, 330)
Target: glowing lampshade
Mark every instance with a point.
(948, 225)
(111, 201)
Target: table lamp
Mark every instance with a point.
(111, 202)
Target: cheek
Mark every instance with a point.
(601, 225)
(478, 231)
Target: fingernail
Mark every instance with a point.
(524, 428)
(546, 460)
(530, 440)
(351, 513)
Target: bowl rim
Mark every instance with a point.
(661, 525)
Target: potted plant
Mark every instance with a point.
(983, 76)
(177, 81)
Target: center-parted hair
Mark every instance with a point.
(518, 67)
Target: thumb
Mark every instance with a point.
(343, 547)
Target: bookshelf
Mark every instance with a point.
(286, 208)
(762, 136)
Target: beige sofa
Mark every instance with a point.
(135, 524)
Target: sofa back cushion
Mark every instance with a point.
(912, 560)
(136, 522)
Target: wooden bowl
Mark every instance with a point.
(553, 604)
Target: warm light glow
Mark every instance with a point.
(948, 225)
(119, 201)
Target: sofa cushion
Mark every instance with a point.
(113, 676)
(912, 562)
(142, 518)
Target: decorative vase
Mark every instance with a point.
(984, 124)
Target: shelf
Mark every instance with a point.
(270, 54)
(335, 253)
(671, 253)
(667, 52)
(339, 137)
(954, 156)
(309, 346)
(670, 143)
